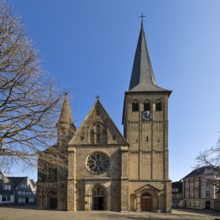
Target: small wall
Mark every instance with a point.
(217, 205)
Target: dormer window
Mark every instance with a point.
(147, 105)
(158, 106)
(135, 106)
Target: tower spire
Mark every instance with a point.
(65, 125)
(65, 115)
(142, 77)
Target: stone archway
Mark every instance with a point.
(52, 199)
(146, 202)
(99, 198)
(97, 188)
(148, 198)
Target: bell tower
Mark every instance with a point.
(145, 120)
(65, 131)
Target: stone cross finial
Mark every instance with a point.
(97, 97)
(142, 16)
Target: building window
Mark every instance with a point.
(92, 137)
(98, 162)
(3, 198)
(147, 105)
(98, 138)
(98, 191)
(207, 193)
(158, 106)
(6, 198)
(6, 187)
(97, 133)
(135, 106)
(104, 137)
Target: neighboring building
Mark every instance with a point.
(177, 194)
(17, 190)
(199, 192)
(109, 171)
(217, 201)
(7, 196)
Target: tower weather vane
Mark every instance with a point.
(142, 16)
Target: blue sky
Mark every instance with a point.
(88, 47)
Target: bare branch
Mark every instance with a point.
(211, 158)
(29, 103)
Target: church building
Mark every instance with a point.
(108, 170)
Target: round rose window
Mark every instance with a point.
(98, 162)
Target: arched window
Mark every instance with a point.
(135, 106)
(158, 106)
(92, 137)
(98, 133)
(147, 105)
(104, 137)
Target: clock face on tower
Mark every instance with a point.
(146, 115)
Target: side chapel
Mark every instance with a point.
(109, 171)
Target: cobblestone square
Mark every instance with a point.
(13, 213)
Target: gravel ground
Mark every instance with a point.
(14, 213)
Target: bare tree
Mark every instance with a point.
(211, 158)
(29, 103)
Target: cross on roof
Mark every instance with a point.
(97, 97)
(142, 16)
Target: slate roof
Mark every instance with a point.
(142, 77)
(198, 172)
(15, 181)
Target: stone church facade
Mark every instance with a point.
(109, 171)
